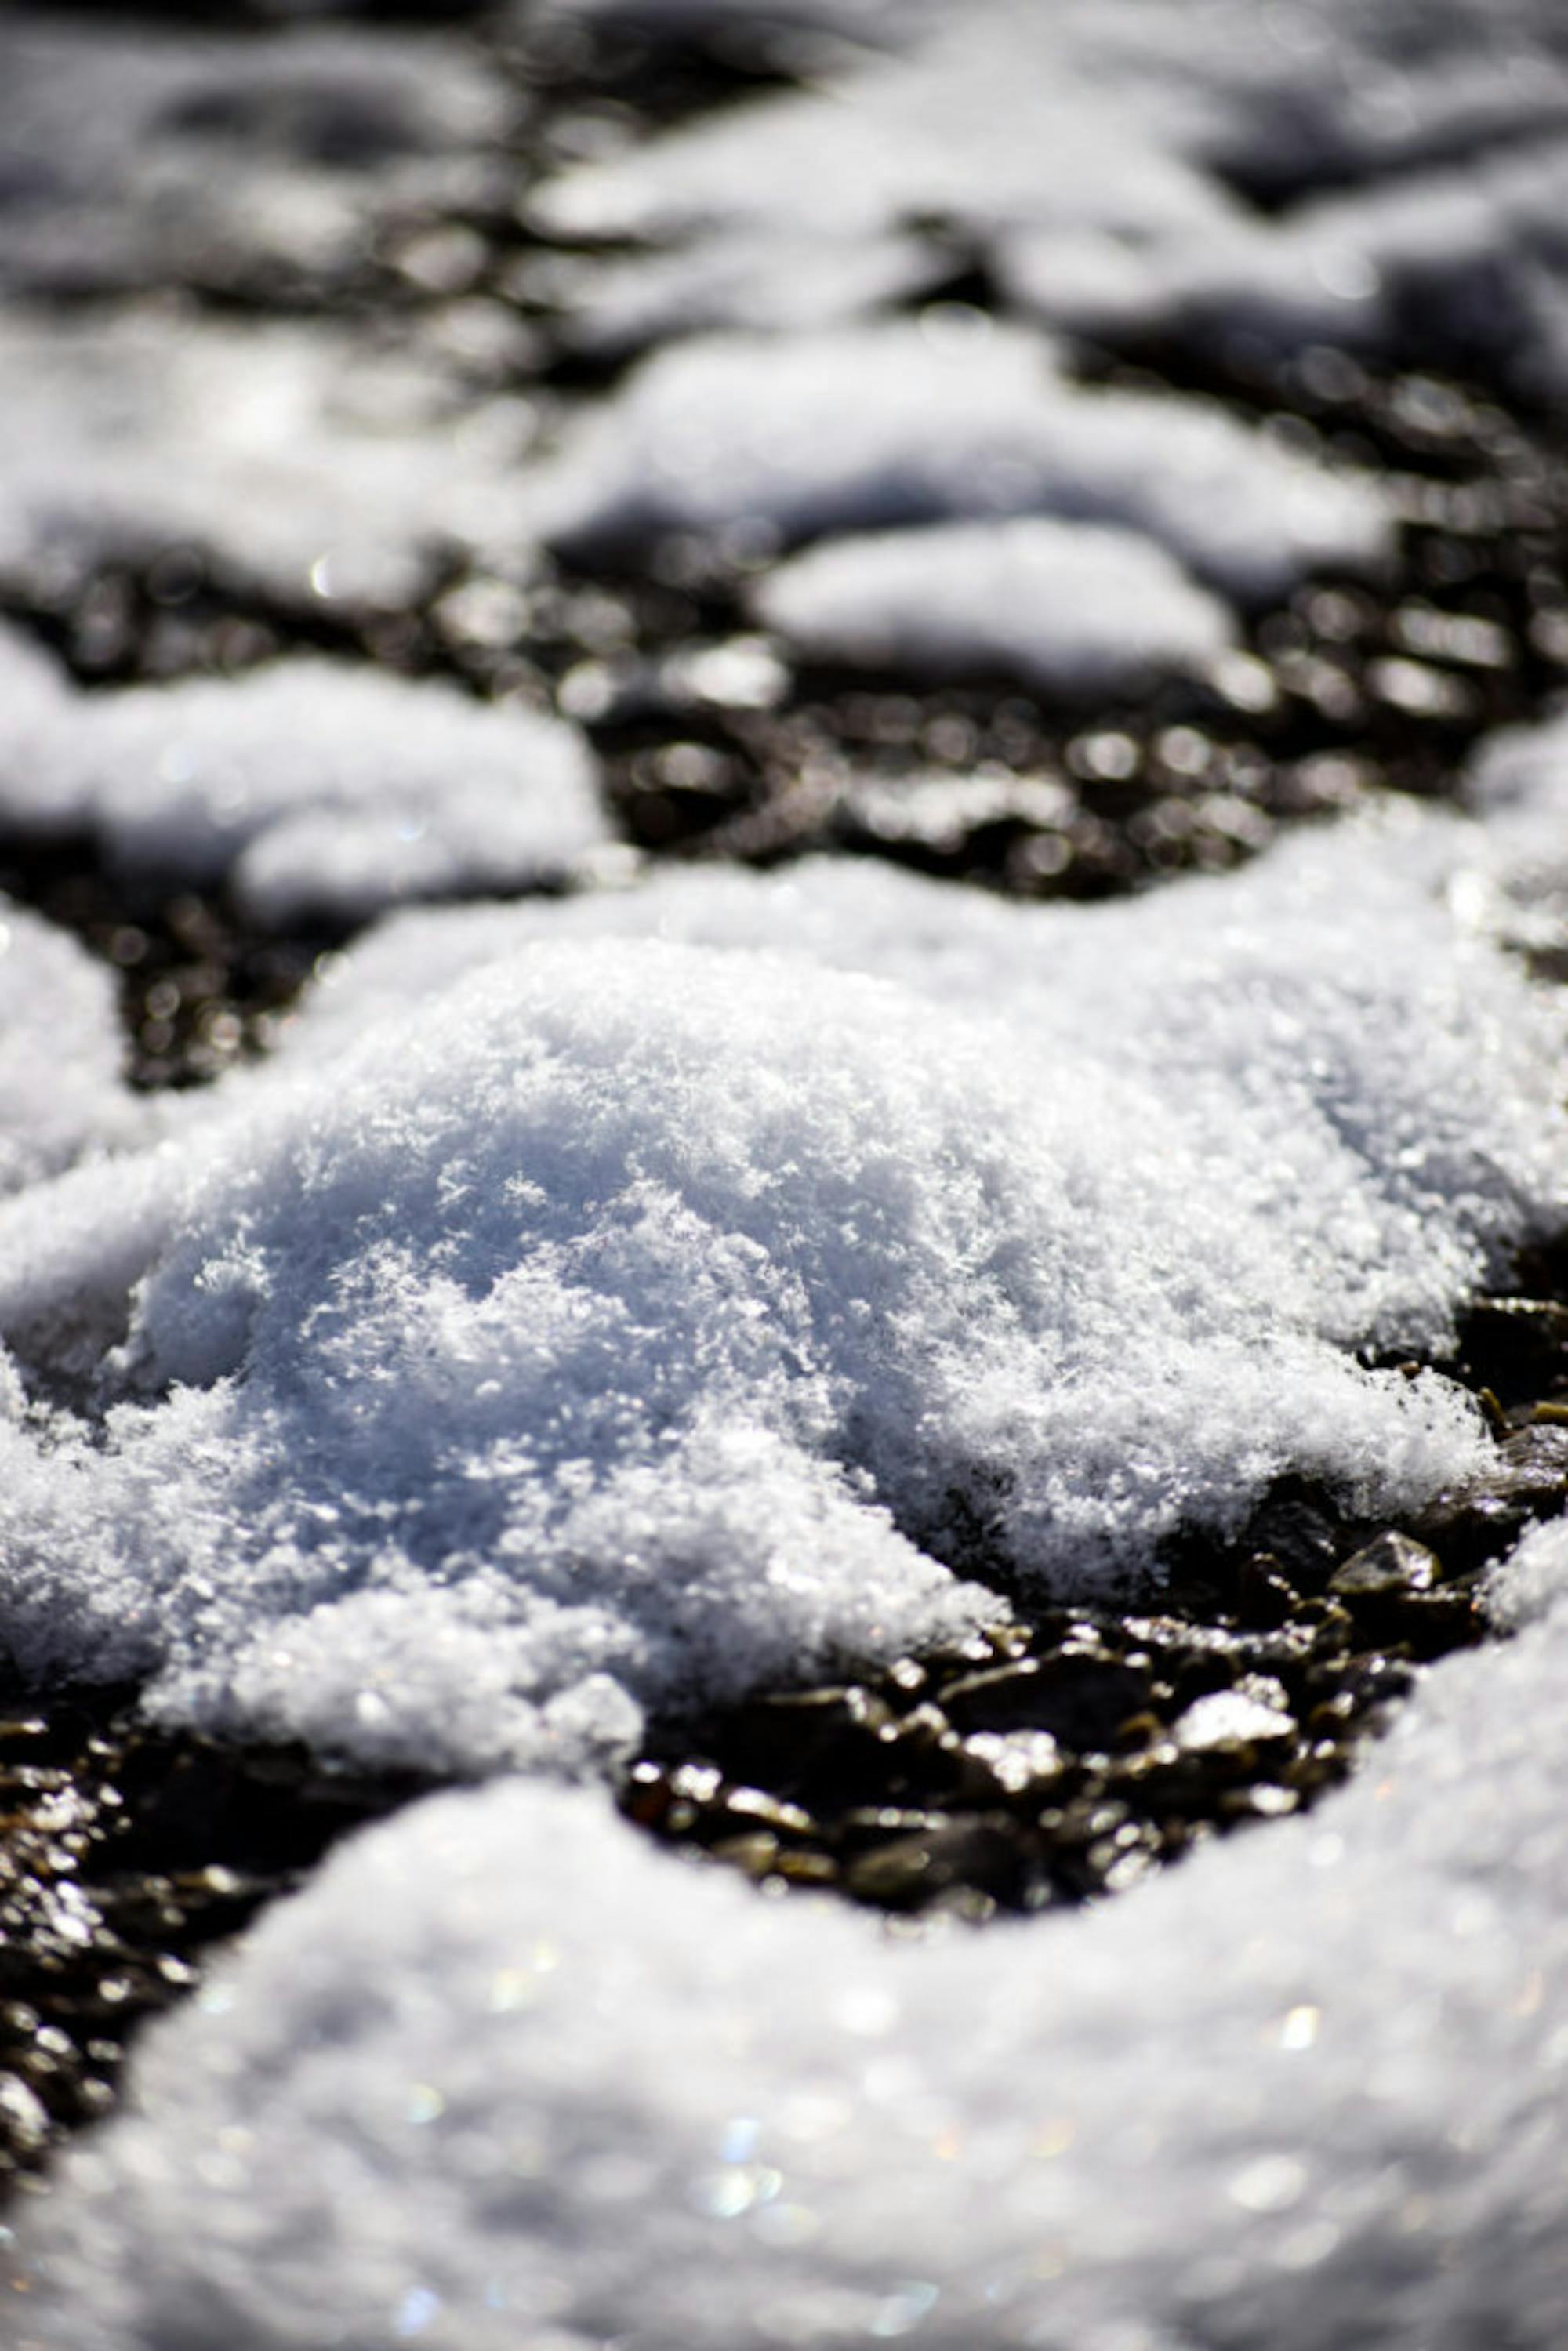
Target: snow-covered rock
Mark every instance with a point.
(1100, 154)
(1073, 608)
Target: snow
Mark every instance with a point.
(601, 1305)
(576, 1320)
(991, 124)
(309, 788)
(506, 2073)
(1068, 607)
(302, 456)
(62, 1090)
(148, 156)
(1270, 1007)
(613, 307)
(1522, 770)
(911, 420)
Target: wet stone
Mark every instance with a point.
(1265, 1596)
(799, 1744)
(1469, 1525)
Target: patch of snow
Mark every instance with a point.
(301, 456)
(1521, 771)
(311, 787)
(627, 1319)
(1068, 607)
(905, 423)
(506, 2072)
(1467, 250)
(1518, 779)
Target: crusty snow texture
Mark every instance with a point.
(311, 787)
(627, 1318)
(505, 2074)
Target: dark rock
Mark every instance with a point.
(1301, 1537)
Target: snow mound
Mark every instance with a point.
(1066, 607)
(893, 424)
(1305, 2090)
(309, 787)
(1522, 770)
(1457, 248)
(300, 457)
(624, 1321)
(1267, 1010)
